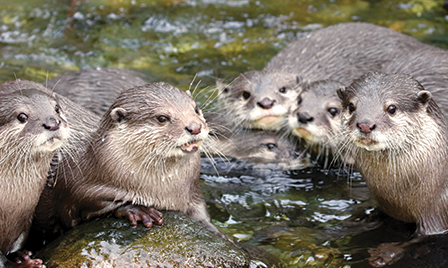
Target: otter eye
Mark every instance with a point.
(282, 90)
(246, 95)
(391, 109)
(22, 117)
(57, 109)
(351, 107)
(196, 110)
(299, 100)
(162, 119)
(271, 146)
(333, 111)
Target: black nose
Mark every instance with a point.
(366, 127)
(194, 128)
(51, 124)
(304, 118)
(266, 103)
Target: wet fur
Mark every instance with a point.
(133, 159)
(25, 159)
(407, 169)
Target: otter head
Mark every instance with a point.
(258, 99)
(315, 116)
(386, 112)
(262, 147)
(31, 121)
(156, 120)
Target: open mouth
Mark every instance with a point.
(190, 147)
(367, 143)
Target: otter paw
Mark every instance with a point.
(23, 260)
(385, 254)
(135, 213)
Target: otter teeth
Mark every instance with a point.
(190, 147)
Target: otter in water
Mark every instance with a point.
(144, 154)
(97, 88)
(396, 135)
(258, 100)
(32, 127)
(315, 116)
(341, 52)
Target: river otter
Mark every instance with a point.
(396, 134)
(97, 88)
(429, 66)
(32, 127)
(145, 153)
(315, 116)
(341, 52)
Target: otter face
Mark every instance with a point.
(33, 120)
(157, 120)
(259, 100)
(383, 112)
(315, 116)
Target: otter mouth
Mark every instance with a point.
(303, 133)
(190, 147)
(269, 120)
(367, 143)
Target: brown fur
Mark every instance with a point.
(397, 136)
(134, 158)
(26, 150)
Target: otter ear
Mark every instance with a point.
(342, 93)
(118, 114)
(424, 96)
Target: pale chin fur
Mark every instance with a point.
(48, 142)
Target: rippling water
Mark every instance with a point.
(308, 218)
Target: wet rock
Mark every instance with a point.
(179, 242)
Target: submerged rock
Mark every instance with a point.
(179, 242)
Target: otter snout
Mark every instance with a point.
(366, 127)
(194, 128)
(266, 103)
(51, 124)
(304, 118)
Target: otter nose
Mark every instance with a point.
(194, 128)
(304, 118)
(366, 127)
(266, 103)
(51, 124)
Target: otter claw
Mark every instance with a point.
(135, 213)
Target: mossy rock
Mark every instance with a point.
(110, 242)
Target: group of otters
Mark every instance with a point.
(103, 141)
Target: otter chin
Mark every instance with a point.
(269, 121)
(303, 133)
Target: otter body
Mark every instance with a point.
(396, 135)
(32, 127)
(144, 154)
(97, 88)
(341, 52)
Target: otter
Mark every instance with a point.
(396, 134)
(256, 146)
(33, 127)
(144, 154)
(315, 116)
(430, 67)
(258, 100)
(96, 88)
(341, 52)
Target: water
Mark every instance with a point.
(308, 218)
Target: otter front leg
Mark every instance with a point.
(135, 213)
(22, 260)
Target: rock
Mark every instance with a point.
(179, 242)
